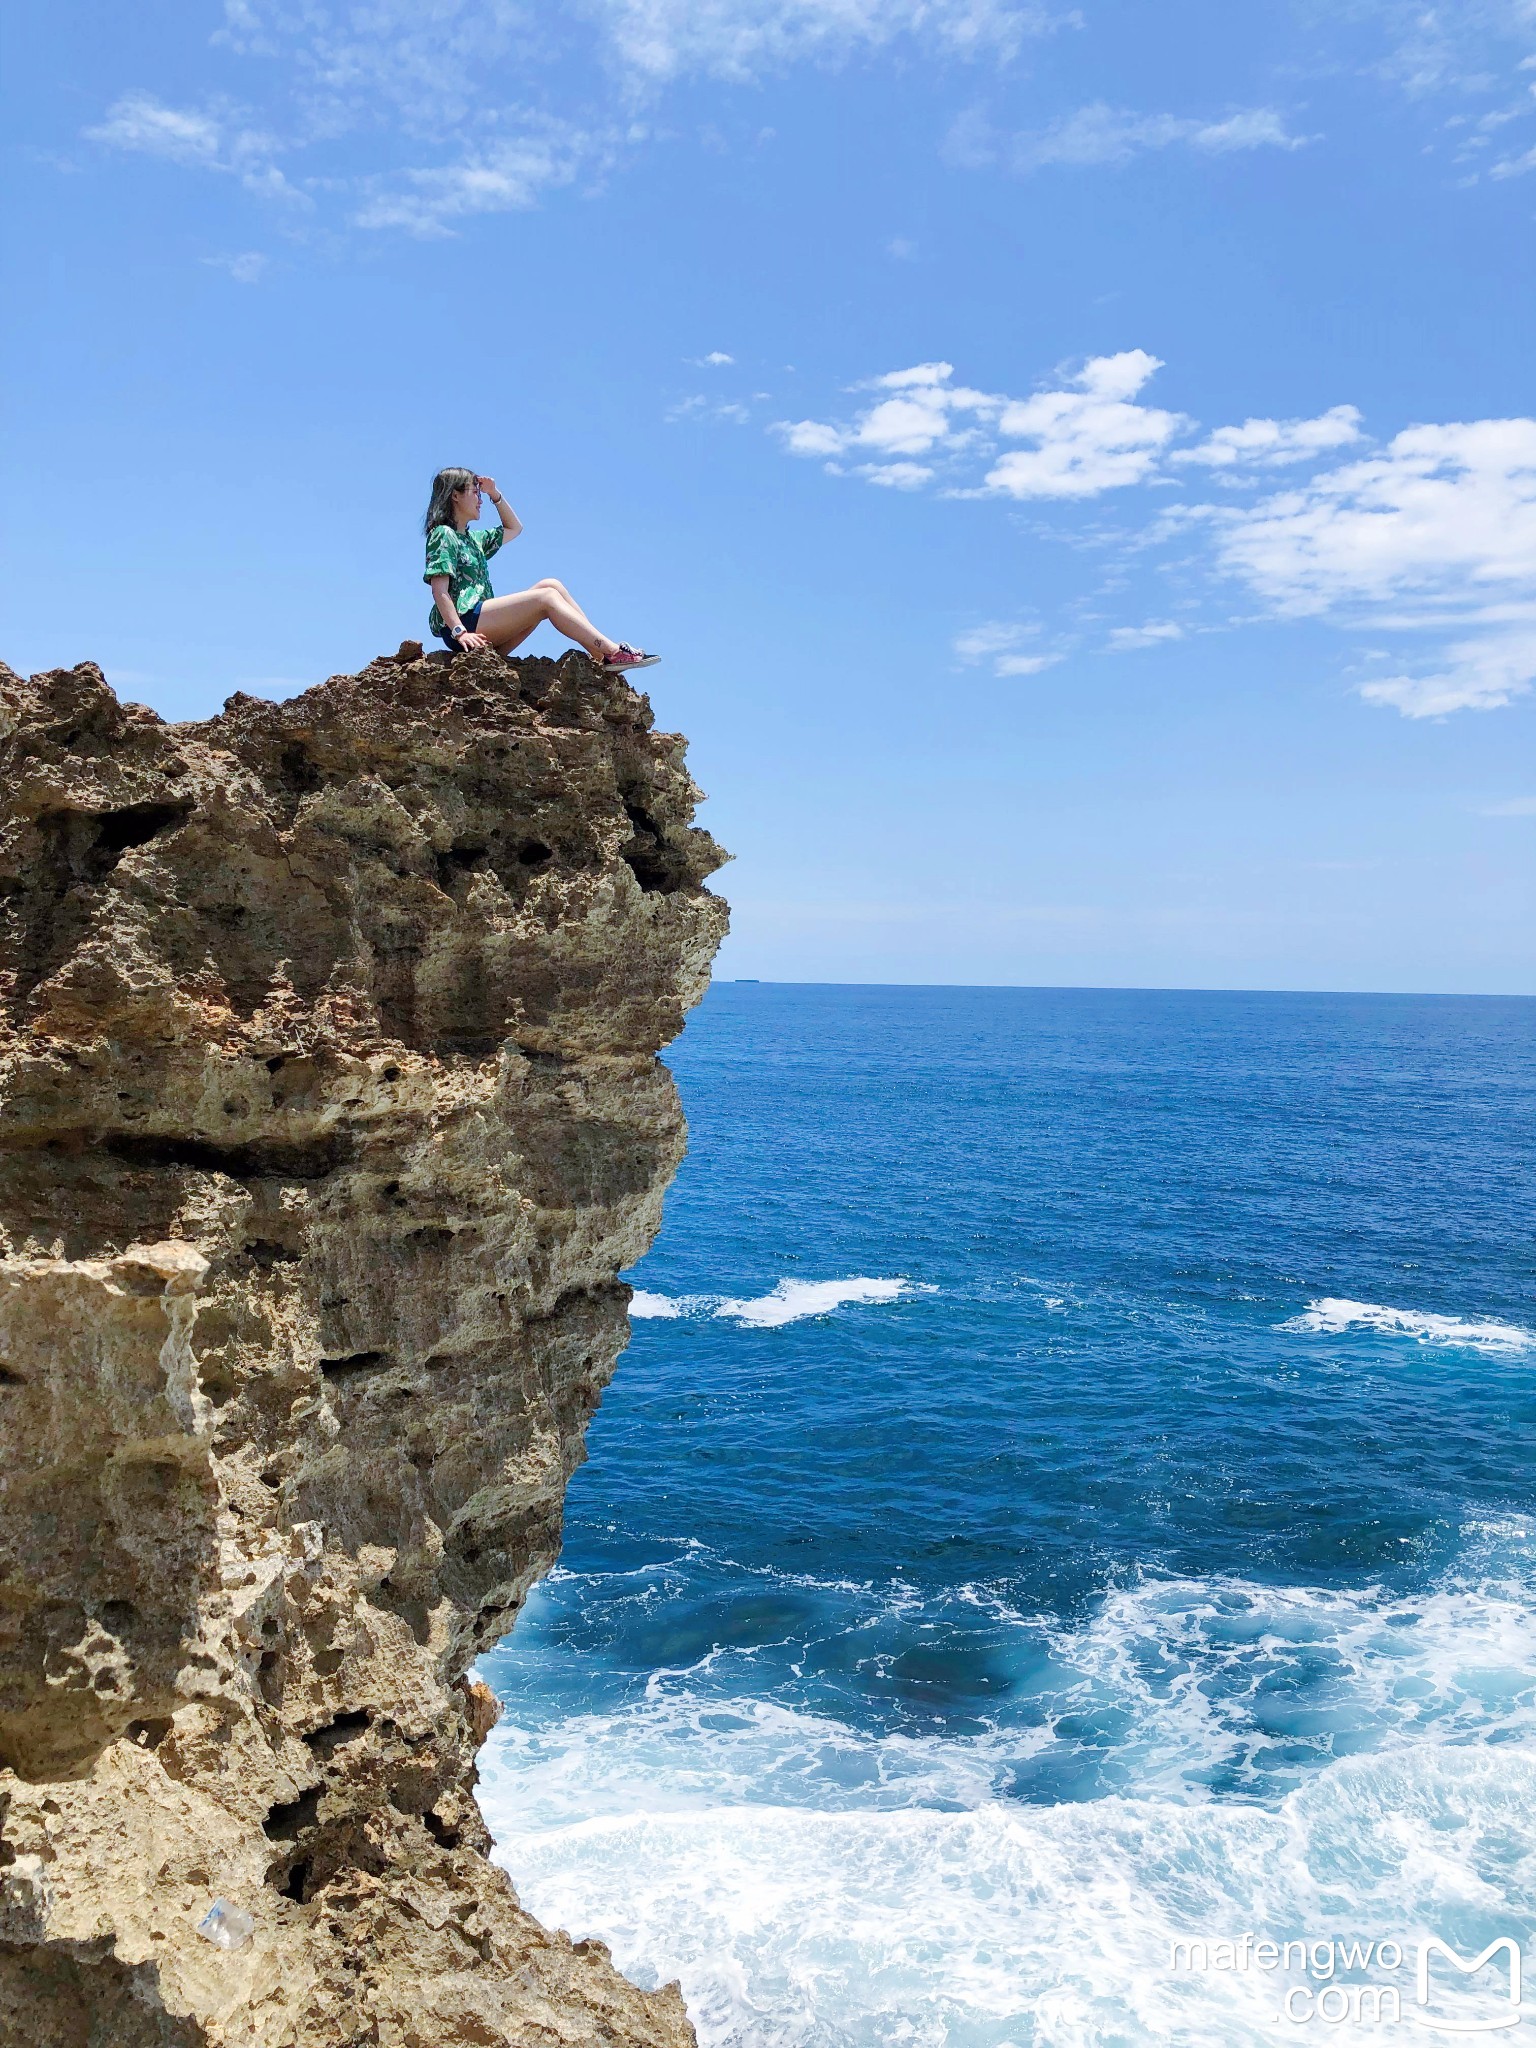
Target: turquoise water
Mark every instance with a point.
(1070, 1489)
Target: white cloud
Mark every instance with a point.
(699, 407)
(1436, 534)
(1432, 536)
(1482, 673)
(715, 360)
(1514, 807)
(810, 437)
(1514, 166)
(1443, 511)
(1101, 134)
(1458, 46)
(897, 476)
(347, 64)
(921, 412)
(1124, 639)
(181, 134)
(744, 39)
(980, 643)
(245, 268)
(212, 138)
(509, 176)
(1087, 439)
(1269, 443)
(1001, 644)
(380, 69)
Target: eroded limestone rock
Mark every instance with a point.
(331, 1111)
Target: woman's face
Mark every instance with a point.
(466, 505)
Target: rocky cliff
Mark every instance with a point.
(331, 1111)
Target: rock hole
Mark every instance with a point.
(444, 1836)
(286, 1821)
(336, 1734)
(136, 824)
(298, 771)
(356, 1362)
(533, 853)
(266, 1253)
(241, 1162)
(292, 1886)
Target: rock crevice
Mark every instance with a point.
(332, 1111)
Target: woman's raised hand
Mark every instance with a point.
(488, 485)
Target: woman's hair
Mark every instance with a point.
(444, 484)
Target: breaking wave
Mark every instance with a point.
(1332, 1317)
(790, 1302)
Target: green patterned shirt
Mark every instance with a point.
(461, 557)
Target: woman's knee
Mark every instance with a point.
(552, 583)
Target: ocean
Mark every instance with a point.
(1069, 1493)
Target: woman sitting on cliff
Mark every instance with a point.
(465, 615)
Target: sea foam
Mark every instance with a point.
(817, 1884)
(790, 1302)
(1001, 1926)
(1332, 1316)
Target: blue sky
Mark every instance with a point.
(1077, 462)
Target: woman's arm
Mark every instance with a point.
(511, 525)
(441, 586)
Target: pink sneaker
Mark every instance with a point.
(624, 656)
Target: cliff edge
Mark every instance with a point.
(331, 1112)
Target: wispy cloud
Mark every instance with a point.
(698, 407)
(1126, 639)
(1003, 646)
(744, 39)
(1481, 673)
(1443, 512)
(1432, 536)
(1513, 807)
(508, 176)
(1271, 443)
(1102, 134)
(385, 70)
(387, 62)
(246, 268)
(1459, 46)
(214, 137)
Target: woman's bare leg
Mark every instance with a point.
(507, 621)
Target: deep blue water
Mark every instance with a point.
(1154, 1552)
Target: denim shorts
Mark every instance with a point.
(469, 620)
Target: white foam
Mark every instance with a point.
(815, 1885)
(1008, 1924)
(1332, 1316)
(644, 1305)
(790, 1302)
